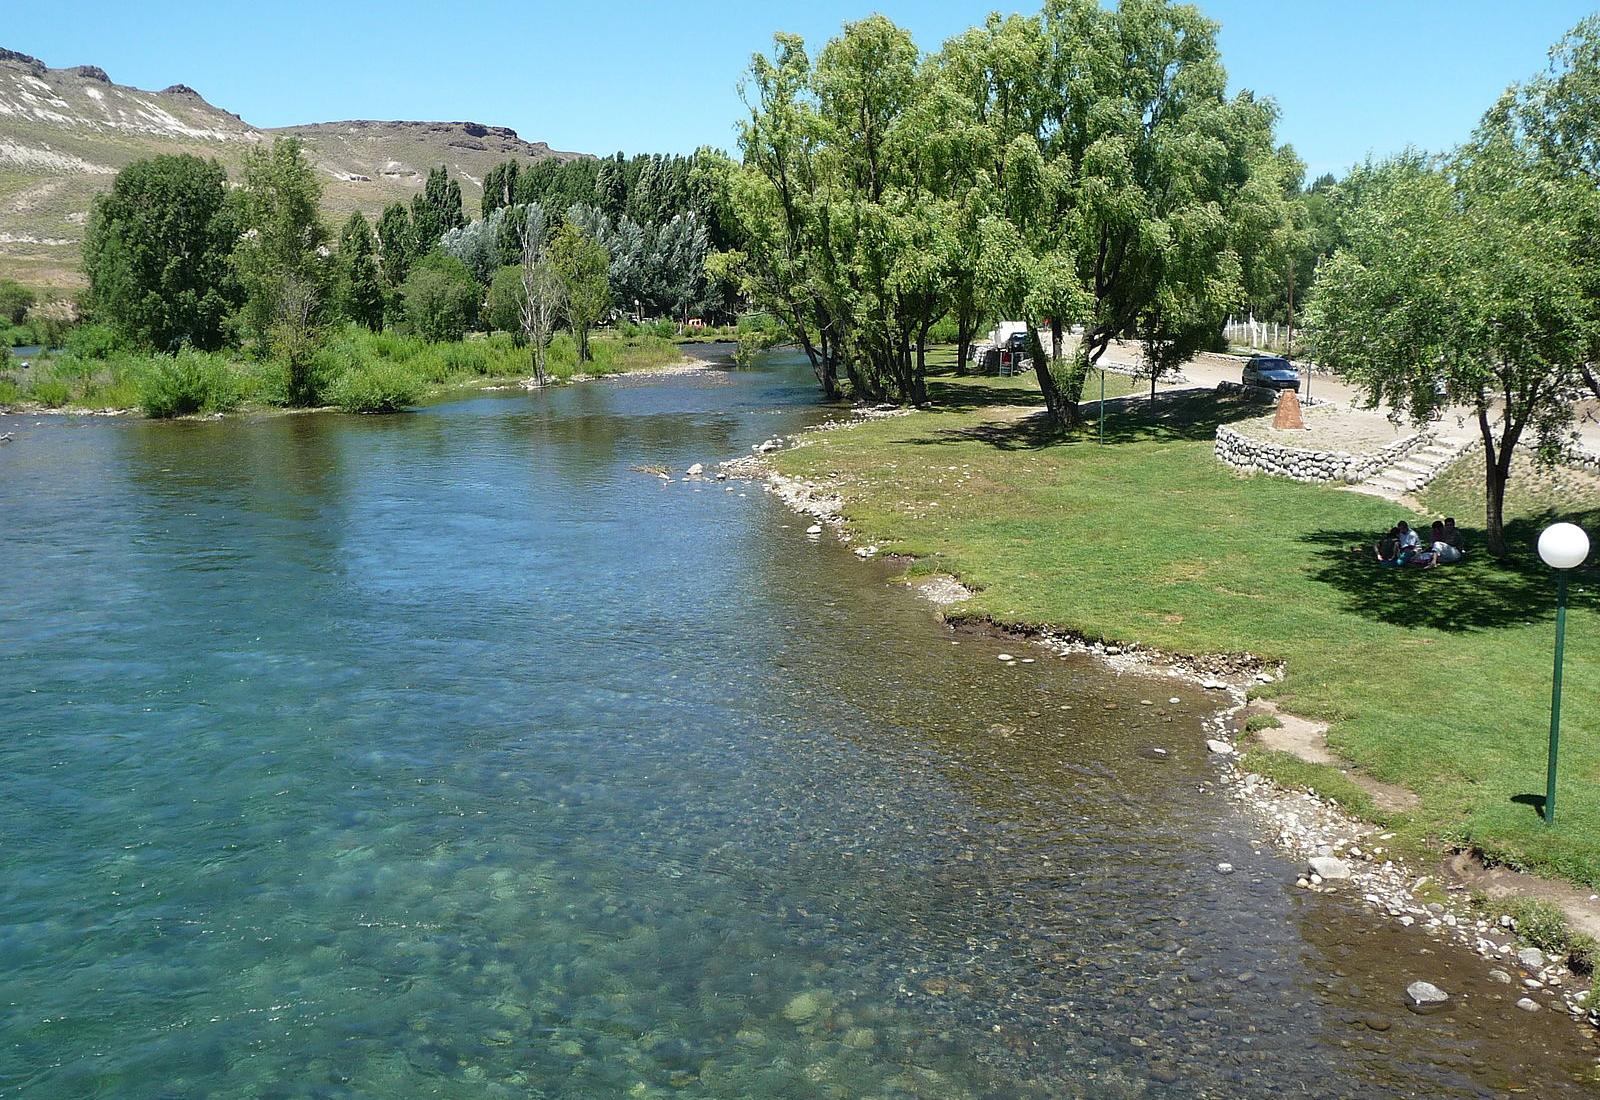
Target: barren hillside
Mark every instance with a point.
(64, 134)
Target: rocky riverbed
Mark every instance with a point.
(1339, 853)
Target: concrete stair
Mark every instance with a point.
(1417, 469)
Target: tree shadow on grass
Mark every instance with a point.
(1479, 593)
(964, 396)
(1175, 416)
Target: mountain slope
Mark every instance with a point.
(65, 133)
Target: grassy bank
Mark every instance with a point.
(353, 368)
(1437, 680)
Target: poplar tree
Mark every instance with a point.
(358, 284)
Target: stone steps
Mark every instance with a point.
(1417, 469)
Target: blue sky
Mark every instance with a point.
(1351, 76)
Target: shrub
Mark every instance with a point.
(187, 383)
(944, 330)
(10, 393)
(377, 386)
(15, 301)
(93, 342)
(441, 298)
(561, 359)
(52, 392)
(505, 301)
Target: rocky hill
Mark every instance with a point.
(64, 134)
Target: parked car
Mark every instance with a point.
(1017, 343)
(1272, 372)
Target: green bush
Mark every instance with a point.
(52, 392)
(505, 300)
(184, 384)
(378, 386)
(944, 331)
(441, 298)
(10, 393)
(93, 342)
(15, 301)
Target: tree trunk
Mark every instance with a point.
(1496, 472)
(1061, 405)
(919, 378)
(963, 340)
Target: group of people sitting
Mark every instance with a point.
(1404, 546)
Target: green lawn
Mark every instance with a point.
(1437, 680)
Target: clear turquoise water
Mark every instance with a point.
(446, 755)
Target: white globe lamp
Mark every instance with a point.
(1563, 545)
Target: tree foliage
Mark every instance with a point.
(441, 297)
(479, 245)
(358, 285)
(281, 259)
(1083, 168)
(582, 267)
(15, 301)
(435, 211)
(1467, 280)
(396, 244)
(156, 253)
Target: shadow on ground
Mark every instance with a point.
(1185, 415)
(1480, 593)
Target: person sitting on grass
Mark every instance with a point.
(1388, 547)
(1452, 534)
(1444, 552)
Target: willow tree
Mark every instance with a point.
(788, 265)
(889, 224)
(1141, 184)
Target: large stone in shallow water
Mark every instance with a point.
(1331, 868)
(803, 1006)
(1425, 995)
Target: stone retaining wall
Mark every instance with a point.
(1245, 452)
(1576, 454)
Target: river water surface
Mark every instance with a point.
(447, 755)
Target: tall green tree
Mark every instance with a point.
(156, 253)
(582, 267)
(500, 187)
(1466, 281)
(788, 264)
(1158, 193)
(358, 285)
(436, 210)
(611, 188)
(441, 297)
(396, 244)
(281, 261)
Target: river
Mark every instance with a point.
(449, 755)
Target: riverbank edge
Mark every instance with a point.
(1298, 822)
(689, 364)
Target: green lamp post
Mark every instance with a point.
(1563, 546)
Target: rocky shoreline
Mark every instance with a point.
(1339, 852)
